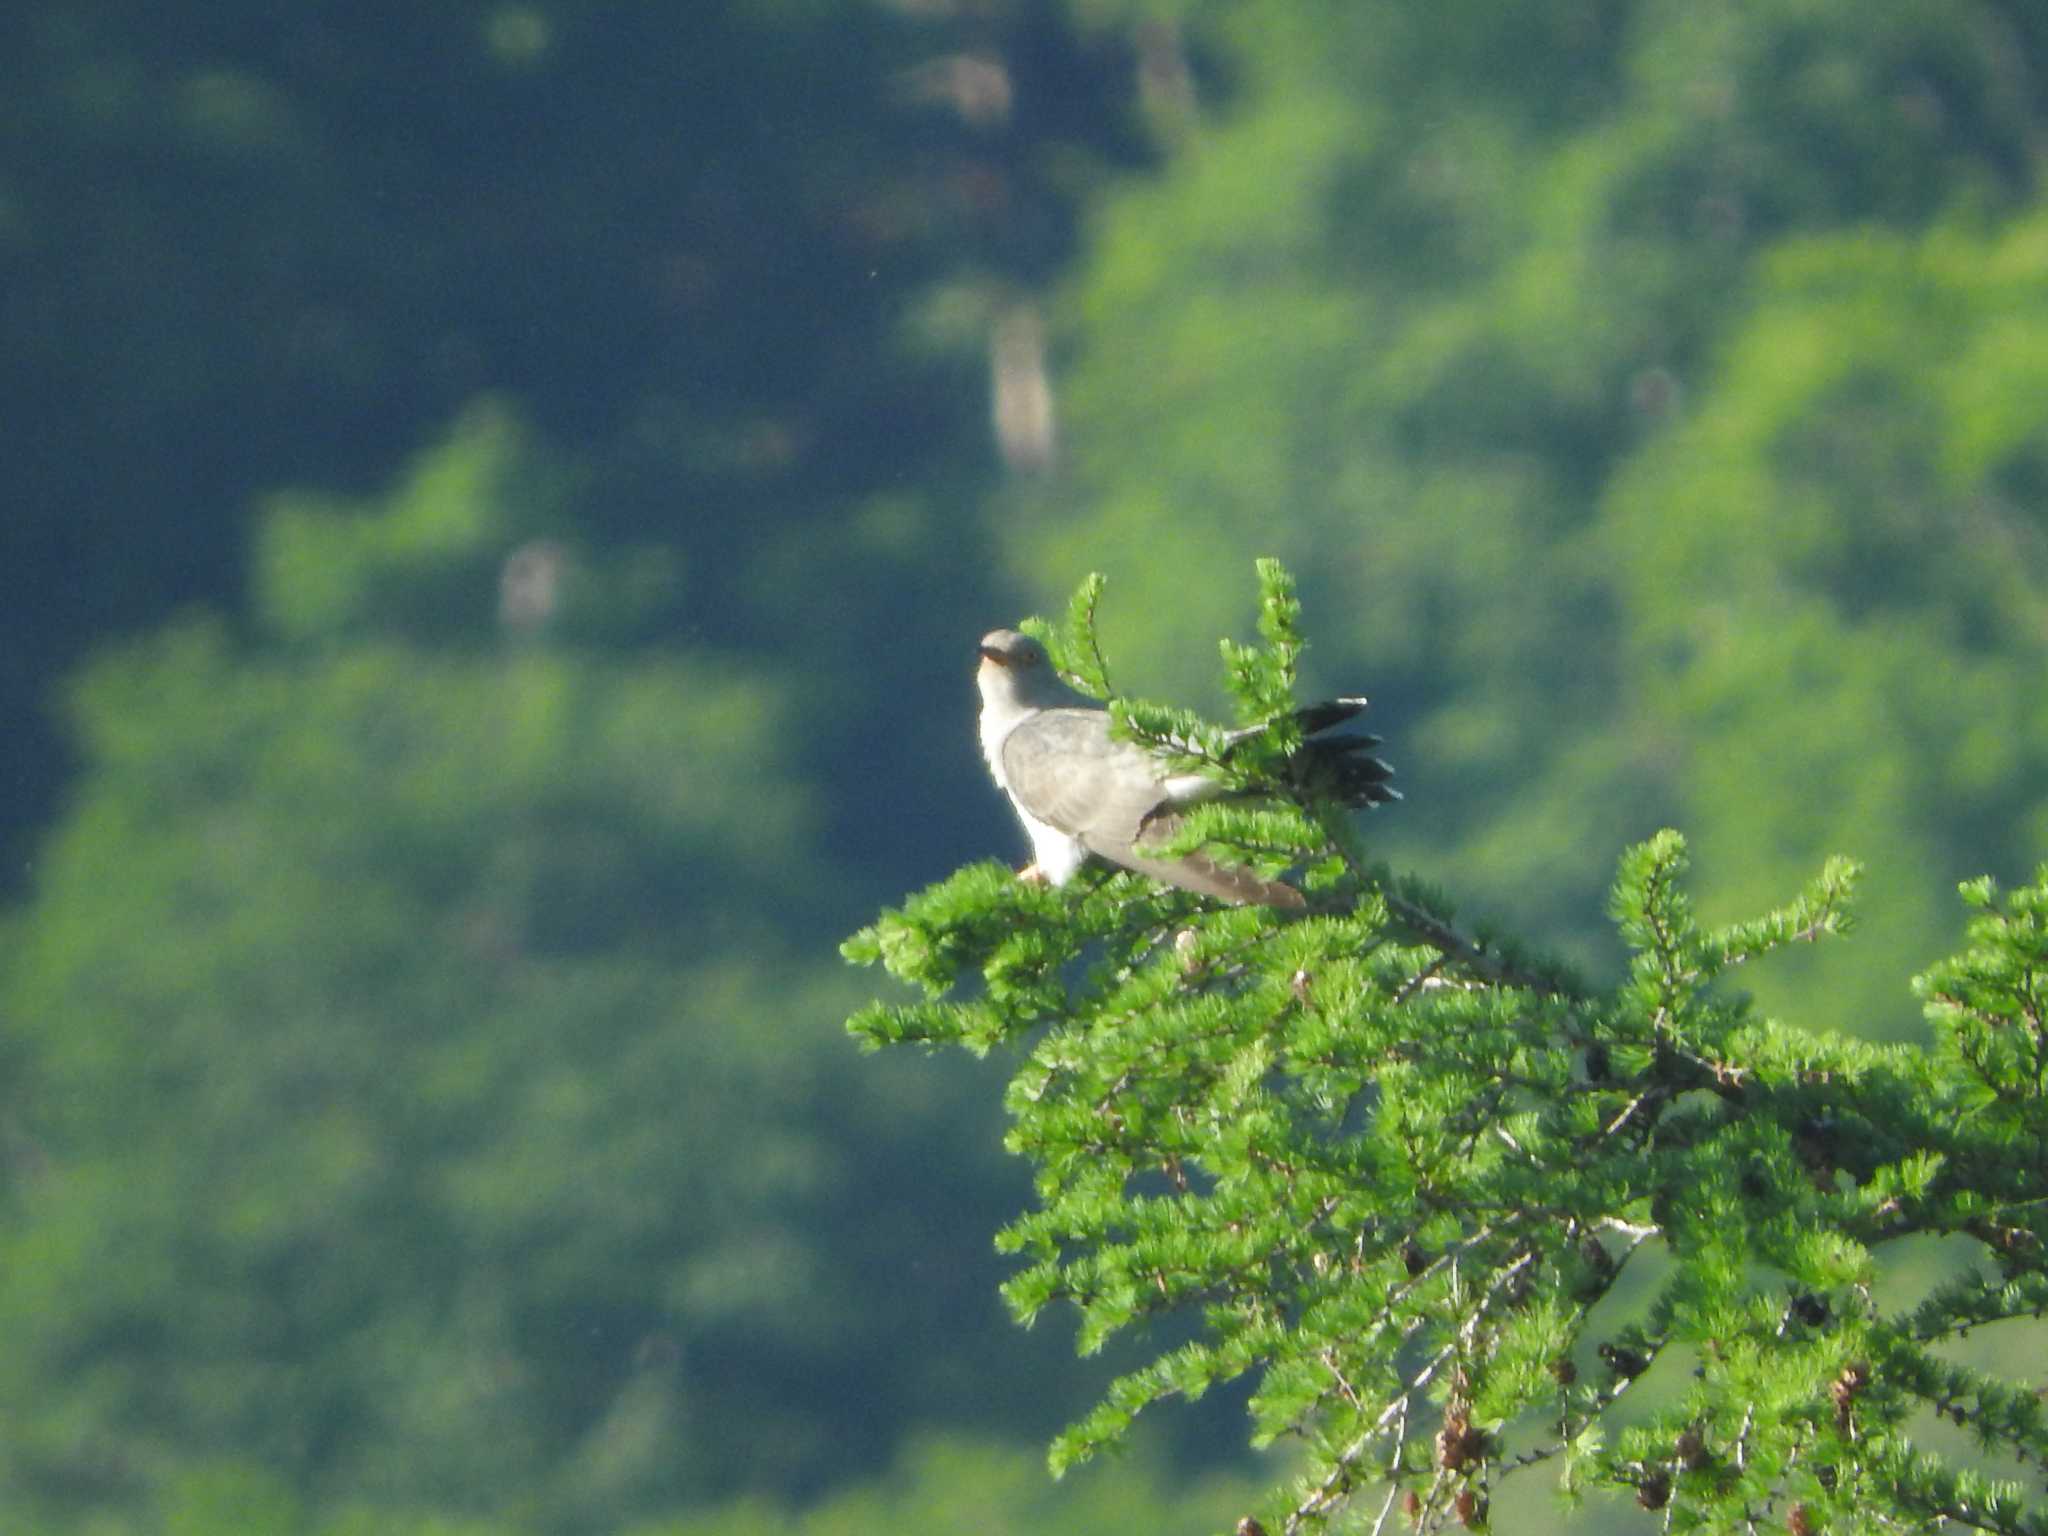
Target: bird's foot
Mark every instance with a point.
(1031, 874)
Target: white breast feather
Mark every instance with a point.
(1056, 854)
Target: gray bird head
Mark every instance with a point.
(1016, 673)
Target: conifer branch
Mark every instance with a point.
(1344, 1136)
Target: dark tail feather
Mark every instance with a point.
(1343, 769)
(1314, 719)
(1340, 768)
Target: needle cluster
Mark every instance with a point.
(1458, 1216)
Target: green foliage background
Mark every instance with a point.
(424, 1106)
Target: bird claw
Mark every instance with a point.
(1031, 874)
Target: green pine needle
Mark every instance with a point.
(1446, 1207)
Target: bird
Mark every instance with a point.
(1079, 791)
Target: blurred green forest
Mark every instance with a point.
(499, 502)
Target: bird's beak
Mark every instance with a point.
(991, 654)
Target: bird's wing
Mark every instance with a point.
(1065, 769)
(1198, 872)
(1115, 799)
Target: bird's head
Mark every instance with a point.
(1015, 670)
(1019, 652)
